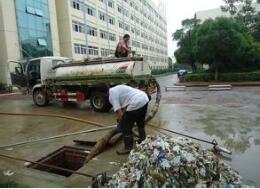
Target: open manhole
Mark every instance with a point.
(66, 157)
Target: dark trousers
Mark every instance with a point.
(130, 118)
(120, 54)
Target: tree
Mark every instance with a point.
(170, 64)
(244, 11)
(225, 45)
(231, 6)
(185, 54)
(185, 38)
(178, 36)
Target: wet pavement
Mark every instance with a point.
(230, 117)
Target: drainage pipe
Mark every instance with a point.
(54, 115)
(58, 136)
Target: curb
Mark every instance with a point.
(206, 85)
(9, 94)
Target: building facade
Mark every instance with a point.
(80, 29)
(28, 29)
(92, 28)
(214, 13)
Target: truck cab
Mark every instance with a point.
(27, 74)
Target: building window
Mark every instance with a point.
(91, 11)
(137, 32)
(126, 13)
(131, 4)
(38, 13)
(103, 34)
(145, 47)
(76, 5)
(91, 31)
(42, 42)
(110, 4)
(136, 44)
(30, 10)
(119, 9)
(93, 50)
(81, 28)
(107, 35)
(127, 27)
(120, 24)
(111, 20)
(103, 52)
(132, 30)
(83, 49)
(112, 37)
(77, 48)
(107, 52)
(102, 16)
(78, 27)
(75, 26)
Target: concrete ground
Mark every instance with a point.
(230, 117)
(18, 128)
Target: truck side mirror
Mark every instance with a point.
(18, 70)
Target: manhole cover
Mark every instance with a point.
(66, 157)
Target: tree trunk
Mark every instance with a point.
(193, 67)
(216, 72)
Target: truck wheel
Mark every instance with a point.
(99, 102)
(40, 98)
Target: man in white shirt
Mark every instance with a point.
(130, 105)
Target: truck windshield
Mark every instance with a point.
(33, 71)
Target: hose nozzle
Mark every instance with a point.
(222, 149)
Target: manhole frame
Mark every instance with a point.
(61, 151)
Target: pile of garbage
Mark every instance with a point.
(167, 162)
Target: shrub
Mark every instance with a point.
(161, 71)
(228, 77)
(199, 77)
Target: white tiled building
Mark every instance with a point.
(78, 29)
(213, 13)
(91, 28)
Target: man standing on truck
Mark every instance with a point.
(130, 105)
(122, 49)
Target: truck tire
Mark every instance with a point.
(40, 98)
(99, 102)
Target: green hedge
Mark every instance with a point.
(229, 77)
(161, 71)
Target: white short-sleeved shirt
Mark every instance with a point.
(122, 96)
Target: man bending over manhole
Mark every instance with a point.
(130, 105)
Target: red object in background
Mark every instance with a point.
(123, 68)
(64, 96)
(49, 94)
(80, 96)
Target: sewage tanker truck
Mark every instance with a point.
(57, 78)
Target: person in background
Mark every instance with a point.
(122, 48)
(130, 105)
